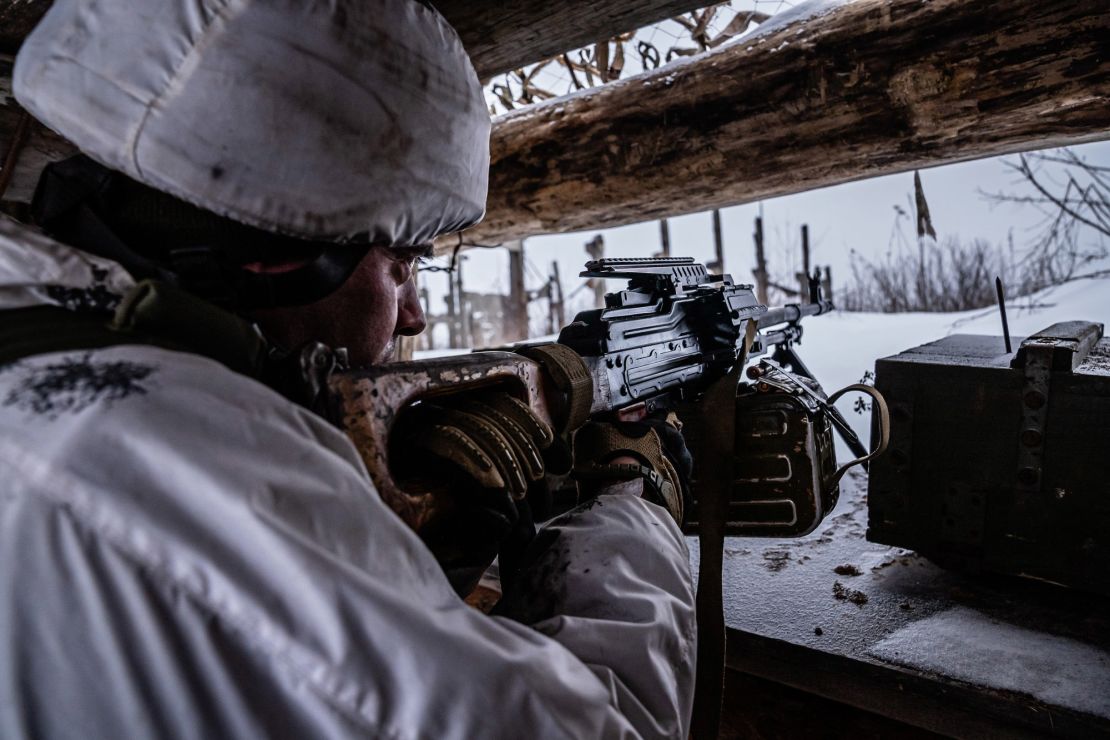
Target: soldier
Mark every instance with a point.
(185, 550)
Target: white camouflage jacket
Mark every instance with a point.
(184, 553)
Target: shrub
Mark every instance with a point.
(949, 277)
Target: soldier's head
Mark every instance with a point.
(286, 158)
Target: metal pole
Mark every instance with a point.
(805, 249)
(516, 319)
(665, 238)
(760, 270)
(718, 244)
(803, 277)
(1002, 309)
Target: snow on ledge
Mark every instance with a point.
(963, 644)
(805, 11)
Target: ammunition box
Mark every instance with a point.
(1000, 462)
(784, 466)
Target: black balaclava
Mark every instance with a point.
(156, 236)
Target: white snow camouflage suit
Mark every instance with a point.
(185, 553)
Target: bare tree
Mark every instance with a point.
(1073, 194)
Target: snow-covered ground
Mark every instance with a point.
(840, 347)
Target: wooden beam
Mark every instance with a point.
(17, 18)
(871, 87)
(508, 34)
(41, 147)
(500, 35)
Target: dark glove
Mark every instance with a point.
(656, 442)
(492, 439)
(479, 453)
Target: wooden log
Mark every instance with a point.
(41, 146)
(499, 35)
(506, 35)
(516, 304)
(869, 88)
(17, 18)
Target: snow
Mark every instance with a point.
(801, 12)
(841, 346)
(963, 644)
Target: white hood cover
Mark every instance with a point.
(316, 119)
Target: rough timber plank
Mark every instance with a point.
(870, 87)
(500, 36)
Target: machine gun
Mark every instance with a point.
(673, 332)
(676, 328)
(660, 343)
(675, 337)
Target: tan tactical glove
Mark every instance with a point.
(493, 439)
(663, 462)
(478, 453)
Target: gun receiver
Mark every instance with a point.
(668, 335)
(676, 328)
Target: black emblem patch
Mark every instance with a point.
(75, 383)
(93, 297)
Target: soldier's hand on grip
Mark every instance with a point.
(663, 461)
(490, 440)
(478, 453)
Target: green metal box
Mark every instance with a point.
(1000, 461)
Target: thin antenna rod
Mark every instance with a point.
(1002, 310)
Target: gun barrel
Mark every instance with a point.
(792, 312)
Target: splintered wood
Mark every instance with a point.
(868, 88)
(859, 89)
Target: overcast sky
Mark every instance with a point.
(856, 216)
